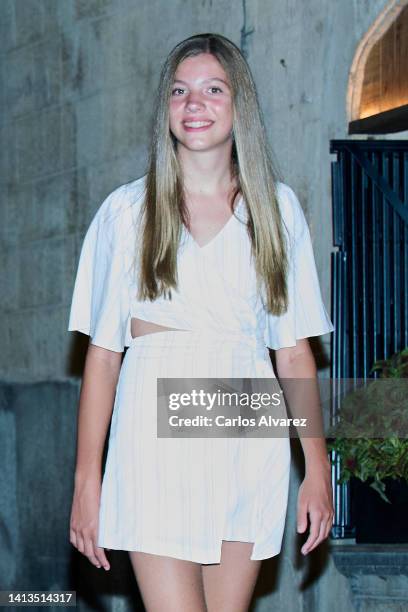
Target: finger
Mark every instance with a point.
(324, 531)
(321, 535)
(80, 543)
(90, 553)
(302, 518)
(329, 524)
(315, 519)
(100, 553)
(73, 537)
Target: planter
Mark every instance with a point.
(376, 521)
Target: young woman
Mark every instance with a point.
(197, 267)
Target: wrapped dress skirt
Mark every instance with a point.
(180, 497)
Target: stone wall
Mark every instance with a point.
(78, 78)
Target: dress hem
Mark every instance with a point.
(205, 559)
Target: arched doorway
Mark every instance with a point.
(377, 94)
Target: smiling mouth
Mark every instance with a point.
(197, 125)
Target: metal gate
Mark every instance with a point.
(370, 269)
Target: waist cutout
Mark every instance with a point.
(204, 338)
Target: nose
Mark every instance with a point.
(194, 101)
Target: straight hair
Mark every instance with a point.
(164, 209)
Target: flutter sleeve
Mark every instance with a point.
(306, 315)
(100, 304)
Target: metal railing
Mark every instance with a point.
(369, 270)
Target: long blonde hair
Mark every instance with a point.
(164, 210)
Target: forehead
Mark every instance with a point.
(200, 68)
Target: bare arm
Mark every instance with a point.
(96, 401)
(315, 494)
(298, 362)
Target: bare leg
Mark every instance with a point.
(168, 584)
(229, 585)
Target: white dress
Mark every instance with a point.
(181, 497)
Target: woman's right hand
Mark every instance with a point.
(84, 521)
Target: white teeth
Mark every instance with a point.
(197, 124)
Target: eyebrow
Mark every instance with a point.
(205, 81)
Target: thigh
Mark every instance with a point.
(168, 584)
(229, 585)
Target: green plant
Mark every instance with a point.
(370, 433)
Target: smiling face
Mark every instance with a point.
(201, 106)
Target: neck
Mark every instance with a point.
(206, 173)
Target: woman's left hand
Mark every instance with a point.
(315, 498)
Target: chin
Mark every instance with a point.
(203, 145)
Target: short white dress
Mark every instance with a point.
(180, 497)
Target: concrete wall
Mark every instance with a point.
(77, 80)
(75, 105)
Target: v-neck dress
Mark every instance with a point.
(180, 497)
